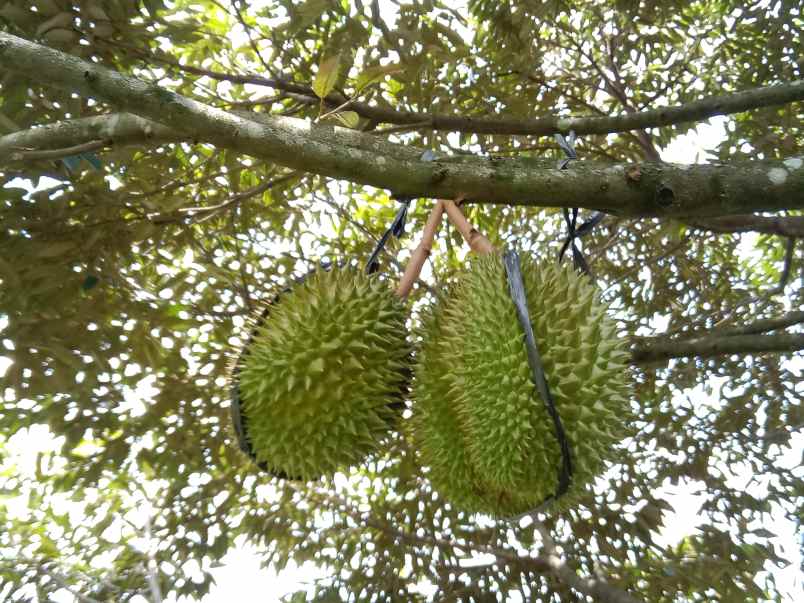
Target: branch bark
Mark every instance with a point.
(93, 145)
(116, 129)
(645, 189)
(789, 226)
(764, 325)
(659, 349)
(543, 126)
(600, 590)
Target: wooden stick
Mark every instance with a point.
(422, 252)
(476, 240)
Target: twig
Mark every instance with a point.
(153, 567)
(651, 260)
(248, 31)
(337, 109)
(41, 567)
(785, 276)
(237, 198)
(428, 123)
(24, 154)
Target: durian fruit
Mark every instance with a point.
(479, 424)
(322, 379)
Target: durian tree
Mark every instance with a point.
(169, 167)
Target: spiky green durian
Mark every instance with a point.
(480, 426)
(322, 378)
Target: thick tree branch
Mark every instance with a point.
(646, 189)
(789, 226)
(125, 129)
(659, 349)
(543, 126)
(120, 129)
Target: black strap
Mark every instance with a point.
(397, 229)
(575, 232)
(516, 288)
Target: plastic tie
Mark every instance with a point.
(397, 229)
(575, 232)
(516, 288)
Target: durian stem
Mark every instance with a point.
(476, 240)
(422, 252)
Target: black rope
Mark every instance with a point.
(573, 231)
(576, 232)
(397, 229)
(516, 288)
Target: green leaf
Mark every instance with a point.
(327, 76)
(371, 75)
(349, 119)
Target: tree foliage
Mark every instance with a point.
(128, 271)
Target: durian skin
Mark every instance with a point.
(324, 373)
(479, 424)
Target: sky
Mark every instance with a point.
(241, 578)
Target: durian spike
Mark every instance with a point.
(476, 240)
(422, 252)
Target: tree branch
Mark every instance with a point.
(645, 189)
(785, 276)
(789, 226)
(598, 589)
(26, 155)
(544, 126)
(764, 325)
(659, 349)
(117, 129)
(48, 568)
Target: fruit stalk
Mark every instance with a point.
(476, 240)
(422, 252)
